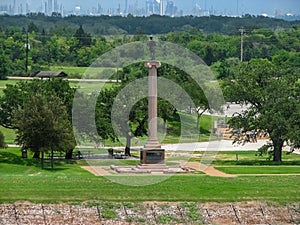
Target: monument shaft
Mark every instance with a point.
(152, 142)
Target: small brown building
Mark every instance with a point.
(51, 74)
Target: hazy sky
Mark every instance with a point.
(231, 7)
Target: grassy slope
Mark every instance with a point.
(22, 179)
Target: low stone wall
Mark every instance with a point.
(149, 213)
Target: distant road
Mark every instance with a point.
(69, 79)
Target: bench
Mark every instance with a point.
(117, 155)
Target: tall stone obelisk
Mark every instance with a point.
(152, 152)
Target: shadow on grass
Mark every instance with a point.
(59, 164)
(55, 169)
(10, 158)
(204, 131)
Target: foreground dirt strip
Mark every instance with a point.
(149, 213)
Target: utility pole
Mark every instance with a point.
(242, 43)
(26, 50)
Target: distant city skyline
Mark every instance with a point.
(148, 7)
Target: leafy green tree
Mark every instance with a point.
(42, 126)
(165, 111)
(208, 54)
(84, 39)
(32, 28)
(103, 113)
(273, 102)
(4, 65)
(135, 126)
(225, 68)
(200, 101)
(137, 123)
(15, 95)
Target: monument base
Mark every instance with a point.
(152, 156)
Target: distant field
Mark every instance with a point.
(87, 72)
(89, 87)
(84, 86)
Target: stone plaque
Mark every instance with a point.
(156, 156)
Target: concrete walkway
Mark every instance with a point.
(222, 145)
(208, 170)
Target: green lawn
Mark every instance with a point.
(189, 128)
(260, 169)
(251, 158)
(23, 180)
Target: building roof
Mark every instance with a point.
(49, 74)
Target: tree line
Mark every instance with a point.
(155, 24)
(77, 47)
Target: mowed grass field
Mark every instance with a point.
(86, 72)
(260, 169)
(23, 180)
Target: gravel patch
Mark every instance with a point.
(149, 213)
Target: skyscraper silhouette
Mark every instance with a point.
(50, 7)
(126, 7)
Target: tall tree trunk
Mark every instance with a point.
(199, 114)
(36, 155)
(198, 121)
(277, 154)
(128, 144)
(52, 163)
(165, 124)
(42, 160)
(69, 154)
